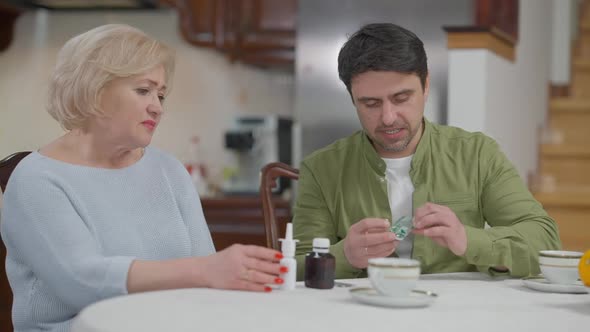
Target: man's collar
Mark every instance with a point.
(422, 147)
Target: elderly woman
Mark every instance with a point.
(98, 212)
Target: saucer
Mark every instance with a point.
(541, 284)
(416, 299)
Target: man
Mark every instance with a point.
(451, 181)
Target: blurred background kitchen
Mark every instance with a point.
(257, 81)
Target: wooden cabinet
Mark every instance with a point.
(495, 28)
(200, 21)
(259, 32)
(240, 220)
(267, 33)
(501, 15)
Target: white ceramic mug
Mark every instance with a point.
(392, 276)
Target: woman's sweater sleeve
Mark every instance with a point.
(42, 229)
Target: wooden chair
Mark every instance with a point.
(270, 173)
(7, 165)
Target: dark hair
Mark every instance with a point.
(382, 47)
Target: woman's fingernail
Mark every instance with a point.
(279, 281)
(284, 269)
(279, 256)
(267, 289)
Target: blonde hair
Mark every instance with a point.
(87, 62)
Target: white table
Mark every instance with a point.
(466, 302)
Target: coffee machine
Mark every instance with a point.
(257, 141)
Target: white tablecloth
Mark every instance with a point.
(466, 302)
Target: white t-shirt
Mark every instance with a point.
(399, 191)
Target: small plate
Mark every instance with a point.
(541, 284)
(416, 299)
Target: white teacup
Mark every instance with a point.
(560, 266)
(392, 276)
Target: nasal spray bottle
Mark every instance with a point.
(288, 261)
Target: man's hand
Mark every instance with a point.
(368, 238)
(440, 224)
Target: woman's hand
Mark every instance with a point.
(243, 267)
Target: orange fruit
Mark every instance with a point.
(584, 268)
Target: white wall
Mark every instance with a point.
(509, 100)
(561, 40)
(467, 88)
(207, 90)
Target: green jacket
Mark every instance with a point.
(467, 172)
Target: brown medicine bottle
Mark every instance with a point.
(320, 265)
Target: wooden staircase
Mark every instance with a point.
(564, 186)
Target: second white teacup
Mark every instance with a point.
(393, 276)
(560, 266)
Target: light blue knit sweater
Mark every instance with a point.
(71, 232)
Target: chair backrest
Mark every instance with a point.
(7, 165)
(270, 173)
